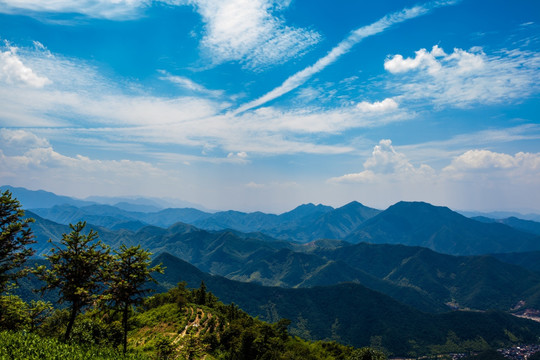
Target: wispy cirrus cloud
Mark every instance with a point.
(107, 9)
(81, 103)
(189, 84)
(463, 78)
(343, 48)
(248, 31)
(245, 31)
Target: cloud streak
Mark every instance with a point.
(107, 9)
(341, 49)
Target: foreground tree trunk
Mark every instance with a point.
(125, 326)
(72, 316)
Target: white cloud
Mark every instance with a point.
(423, 59)
(108, 9)
(341, 49)
(474, 179)
(240, 157)
(522, 166)
(189, 84)
(16, 141)
(463, 78)
(247, 31)
(80, 103)
(386, 163)
(378, 106)
(14, 72)
(254, 185)
(37, 160)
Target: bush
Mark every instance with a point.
(27, 346)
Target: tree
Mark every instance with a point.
(15, 236)
(78, 270)
(129, 272)
(201, 294)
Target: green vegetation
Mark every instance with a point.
(190, 325)
(101, 290)
(129, 272)
(78, 269)
(15, 236)
(109, 312)
(28, 346)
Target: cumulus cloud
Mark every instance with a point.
(463, 77)
(386, 163)
(240, 157)
(378, 106)
(522, 166)
(247, 31)
(18, 140)
(14, 72)
(473, 179)
(26, 158)
(423, 59)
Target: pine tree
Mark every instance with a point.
(78, 269)
(129, 272)
(15, 236)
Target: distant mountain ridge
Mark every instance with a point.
(410, 223)
(40, 198)
(441, 229)
(529, 226)
(416, 276)
(303, 224)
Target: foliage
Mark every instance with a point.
(225, 332)
(78, 270)
(129, 273)
(28, 346)
(15, 236)
(15, 314)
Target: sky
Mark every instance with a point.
(268, 104)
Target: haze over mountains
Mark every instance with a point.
(408, 223)
(404, 264)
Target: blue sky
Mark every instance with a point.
(267, 104)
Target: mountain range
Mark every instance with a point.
(354, 274)
(416, 276)
(350, 313)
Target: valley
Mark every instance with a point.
(414, 278)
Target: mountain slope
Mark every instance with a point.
(528, 226)
(335, 224)
(527, 260)
(40, 198)
(418, 276)
(358, 314)
(442, 230)
(479, 282)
